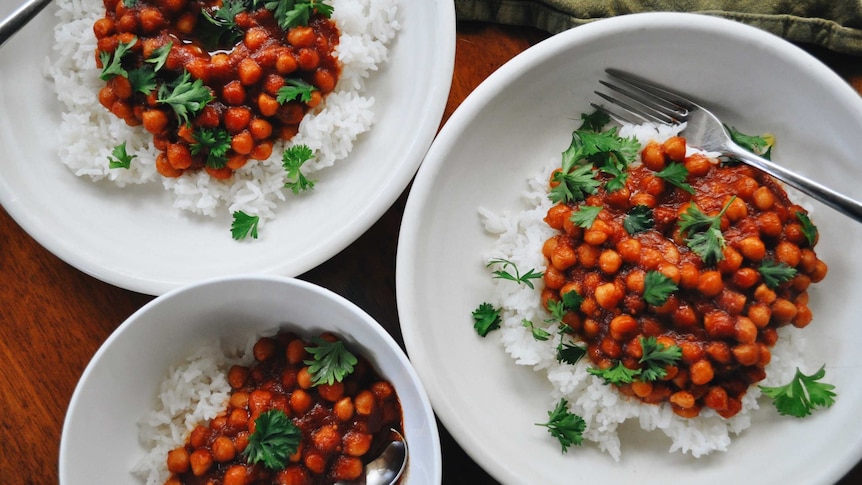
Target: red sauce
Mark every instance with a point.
(723, 317)
(243, 70)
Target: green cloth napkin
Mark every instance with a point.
(833, 24)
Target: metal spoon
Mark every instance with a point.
(19, 18)
(387, 468)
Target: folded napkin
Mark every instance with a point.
(833, 24)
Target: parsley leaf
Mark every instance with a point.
(574, 186)
(703, 232)
(616, 374)
(539, 334)
(594, 121)
(675, 174)
(293, 89)
(119, 158)
(142, 80)
(617, 172)
(112, 63)
(760, 145)
(215, 142)
(657, 288)
(331, 361)
(274, 440)
(292, 13)
(775, 273)
(572, 300)
(244, 225)
(656, 357)
(517, 277)
(485, 319)
(565, 426)
(186, 97)
(220, 28)
(585, 215)
(801, 395)
(292, 161)
(570, 353)
(160, 56)
(639, 219)
(809, 229)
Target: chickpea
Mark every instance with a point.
(718, 324)
(343, 409)
(650, 258)
(745, 277)
(239, 399)
(267, 104)
(635, 281)
(609, 261)
(364, 403)
(731, 262)
(763, 294)
(331, 392)
(629, 250)
(697, 165)
(716, 398)
(235, 475)
(643, 198)
(731, 301)
(300, 401)
(747, 354)
(752, 248)
(554, 278)
(199, 436)
(675, 148)
(652, 156)
(178, 460)
(259, 401)
(588, 255)
(326, 438)
(155, 121)
(820, 270)
(783, 311)
(684, 317)
(557, 214)
(759, 314)
(803, 316)
(622, 327)
(347, 468)
(296, 352)
(242, 143)
(200, 460)
(769, 224)
(607, 296)
(701, 372)
(308, 59)
(709, 283)
(683, 399)
(719, 352)
(356, 443)
(763, 198)
(745, 330)
(563, 257)
(264, 349)
(736, 209)
(237, 375)
(689, 275)
(223, 449)
(642, 388)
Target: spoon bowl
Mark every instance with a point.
(387, 468)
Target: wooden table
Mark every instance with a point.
(53, 318)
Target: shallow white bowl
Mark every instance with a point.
(133, 237)
(119, 386)
(519, 120)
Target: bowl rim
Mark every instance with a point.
(425, 413)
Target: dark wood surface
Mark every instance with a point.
(53, 317)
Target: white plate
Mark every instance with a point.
(134, 239)
(521, 117)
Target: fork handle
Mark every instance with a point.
(20, 17)
(837, 201)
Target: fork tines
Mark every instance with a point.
(637, 101)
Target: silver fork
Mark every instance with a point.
(637, 100)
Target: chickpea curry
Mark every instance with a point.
(306, 413)
(216, 82)
(686, 263)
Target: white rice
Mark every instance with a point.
(88, 132)
(192, 393)
(520, 236)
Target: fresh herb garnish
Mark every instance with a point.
(703, 233)
(119, 158)
(585, 215)
(486, 318)
(809, 229)
(143, 80)
(186, 97)
(657, 288)
(616, 374)
(759, 145)
(292, 13)
(215, 142)
(656, 357)
(539, 334)
(570, 353)
(565, 426)
(112, 63)
(331, 361)
(517, 277)
(594, 121)
(639, 219)
(159, 56)
(775, 273)
(675, 174)
(292, 161)
(274, 441)
(244, 225)
(293, 89)
(802, 394)
(588, 151)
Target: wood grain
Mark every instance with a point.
(54, 317)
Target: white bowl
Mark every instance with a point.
(520, 119)
(119, 386)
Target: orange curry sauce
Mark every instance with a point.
(243, 70)
(723, 316)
